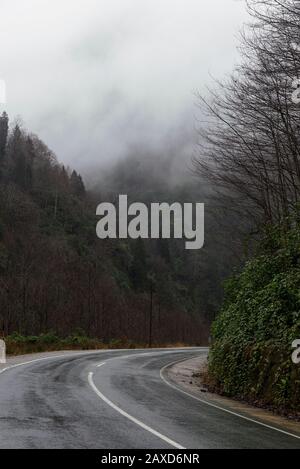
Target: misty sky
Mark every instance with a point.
(94, 78)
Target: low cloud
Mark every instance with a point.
(95, 77)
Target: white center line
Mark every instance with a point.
(129, 417)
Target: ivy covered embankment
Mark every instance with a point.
(251, 355)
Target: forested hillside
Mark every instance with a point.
(56, 275)
(148, 177)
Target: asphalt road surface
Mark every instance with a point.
(117, 399)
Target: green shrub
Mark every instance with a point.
(251, 353)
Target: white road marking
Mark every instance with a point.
(71, 355)
(36, 360)
(129, 417)
(153, 353)
(150, 354)
(210, 404)
(82, 353)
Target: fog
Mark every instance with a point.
(96, 78)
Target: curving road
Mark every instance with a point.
(117, 399)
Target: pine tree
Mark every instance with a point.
(20, 156)
(77, 185)
(3, 135)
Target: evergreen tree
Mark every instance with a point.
(3, 135)
(21, 157)
(77, 185)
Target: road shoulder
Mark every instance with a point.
(186, 375)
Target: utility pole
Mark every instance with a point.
(55, 203)
(151, 313)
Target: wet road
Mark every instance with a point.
(117, 399)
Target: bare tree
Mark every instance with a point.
(249, 147)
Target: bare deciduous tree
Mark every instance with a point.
(250, 145)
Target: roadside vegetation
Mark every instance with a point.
(17, 344)
(251, 354)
